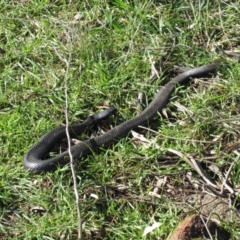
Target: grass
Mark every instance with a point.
(114, 45)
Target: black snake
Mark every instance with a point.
(32, 159)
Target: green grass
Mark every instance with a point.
(114, 44)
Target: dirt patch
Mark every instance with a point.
(194, 227)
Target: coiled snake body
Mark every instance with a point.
(32, 159)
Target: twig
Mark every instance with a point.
(68, 61)
(217, 171)
(154, 71)
(202, 173)
(191, 161)
(181, 155)
(205, 224)
(228, 173)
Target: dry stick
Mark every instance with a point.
(73, 173)
(80, 237)
(205, 224)
(71, 157)
(195, 166)
(215, 169)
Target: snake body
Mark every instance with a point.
(32, 159)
